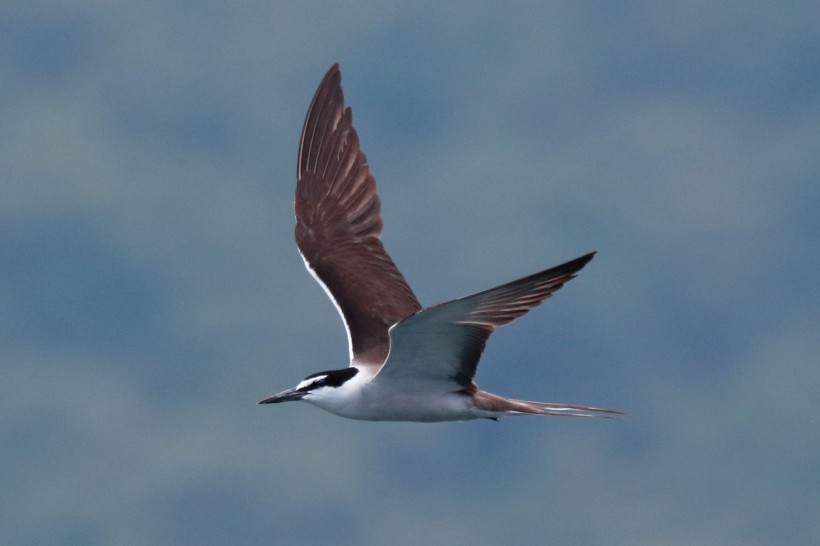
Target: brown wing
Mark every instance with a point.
(338, 226)
(442, 345)
(503, 304)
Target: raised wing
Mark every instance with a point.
(338, 227)
(440, 347)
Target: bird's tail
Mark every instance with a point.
(506, 406)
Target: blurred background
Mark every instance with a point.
(151, 292)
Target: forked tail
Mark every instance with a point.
(507, 406)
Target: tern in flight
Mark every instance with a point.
(407, 363)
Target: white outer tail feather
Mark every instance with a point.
(545, 408)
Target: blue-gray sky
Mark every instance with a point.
(152, 292)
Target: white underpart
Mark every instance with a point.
(335, 304)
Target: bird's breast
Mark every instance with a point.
(371, 403)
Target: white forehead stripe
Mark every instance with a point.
(310, 381)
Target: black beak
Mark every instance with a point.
(289, 395)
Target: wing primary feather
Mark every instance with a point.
(338, 226)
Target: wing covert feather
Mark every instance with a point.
(442, 344)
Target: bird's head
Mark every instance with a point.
(314, 386)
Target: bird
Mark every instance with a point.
(407, 362)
